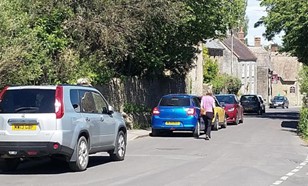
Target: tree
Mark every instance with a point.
(290, 17)
(210, 67)
(48, 42)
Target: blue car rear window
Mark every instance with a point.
(175, 101)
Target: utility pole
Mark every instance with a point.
(232, 51)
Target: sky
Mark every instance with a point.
(254, 12)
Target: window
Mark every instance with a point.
(292, 89)
(75, 100)
(243, 70)
(175, 101)
(28, 101)
(248, 69)
(252, 90)
(196, 102)
(87, 102)
(100, 104)
(253, 70)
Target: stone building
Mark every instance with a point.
(285, 76)
(240, 62)
(194, 79)
(264, 86)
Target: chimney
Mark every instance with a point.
(274, 47)
(257, 41)
(241, 35)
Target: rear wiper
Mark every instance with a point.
(23, 109)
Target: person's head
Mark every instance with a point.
(84, 82)
(209, 93)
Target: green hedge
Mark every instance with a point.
(303, 123)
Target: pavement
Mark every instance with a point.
(137, 133)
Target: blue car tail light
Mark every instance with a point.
(155, 111)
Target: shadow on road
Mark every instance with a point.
(277, 115)
(290, 126)
(47, 166)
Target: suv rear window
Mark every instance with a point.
(175, 101)
(28, 101)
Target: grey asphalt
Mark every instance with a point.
(137, 133)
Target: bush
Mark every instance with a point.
(303, 123)
(134, 108)
(224, 83)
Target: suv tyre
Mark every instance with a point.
(82, 155)
(120, 148)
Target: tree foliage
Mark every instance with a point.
(224, 83)
(210, 67)
(48, 41)
(290, 17)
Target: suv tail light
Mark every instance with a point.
(59, 104)
(155, 111)
(191, 111)
(2, 92)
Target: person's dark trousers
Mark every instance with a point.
(208, 123)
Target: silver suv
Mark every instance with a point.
(63, 121)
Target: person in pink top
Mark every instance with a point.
(208, 104)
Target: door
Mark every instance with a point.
(91, 116)
(108, 124)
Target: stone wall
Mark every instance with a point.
(262, 82)
(138, 91)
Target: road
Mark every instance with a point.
(263, 151)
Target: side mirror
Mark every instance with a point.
(110, 109)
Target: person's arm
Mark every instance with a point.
(213, 103)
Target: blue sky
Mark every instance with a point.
(254, 13)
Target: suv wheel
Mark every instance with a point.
(82, 155)
(11, 164)
(120, 148)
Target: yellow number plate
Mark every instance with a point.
(173, 123)
(23, 127)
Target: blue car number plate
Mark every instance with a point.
(173, 123)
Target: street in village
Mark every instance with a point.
(264, 150)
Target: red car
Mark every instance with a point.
(232, 106)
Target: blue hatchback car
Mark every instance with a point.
(179, 112)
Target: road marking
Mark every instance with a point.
(298, 168)
(284, 178)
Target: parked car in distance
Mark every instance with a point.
(251, 104)
(262, 101)
(61, 121)
(232, 107)
(220, 118)
(176, 112)
(279, 101)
